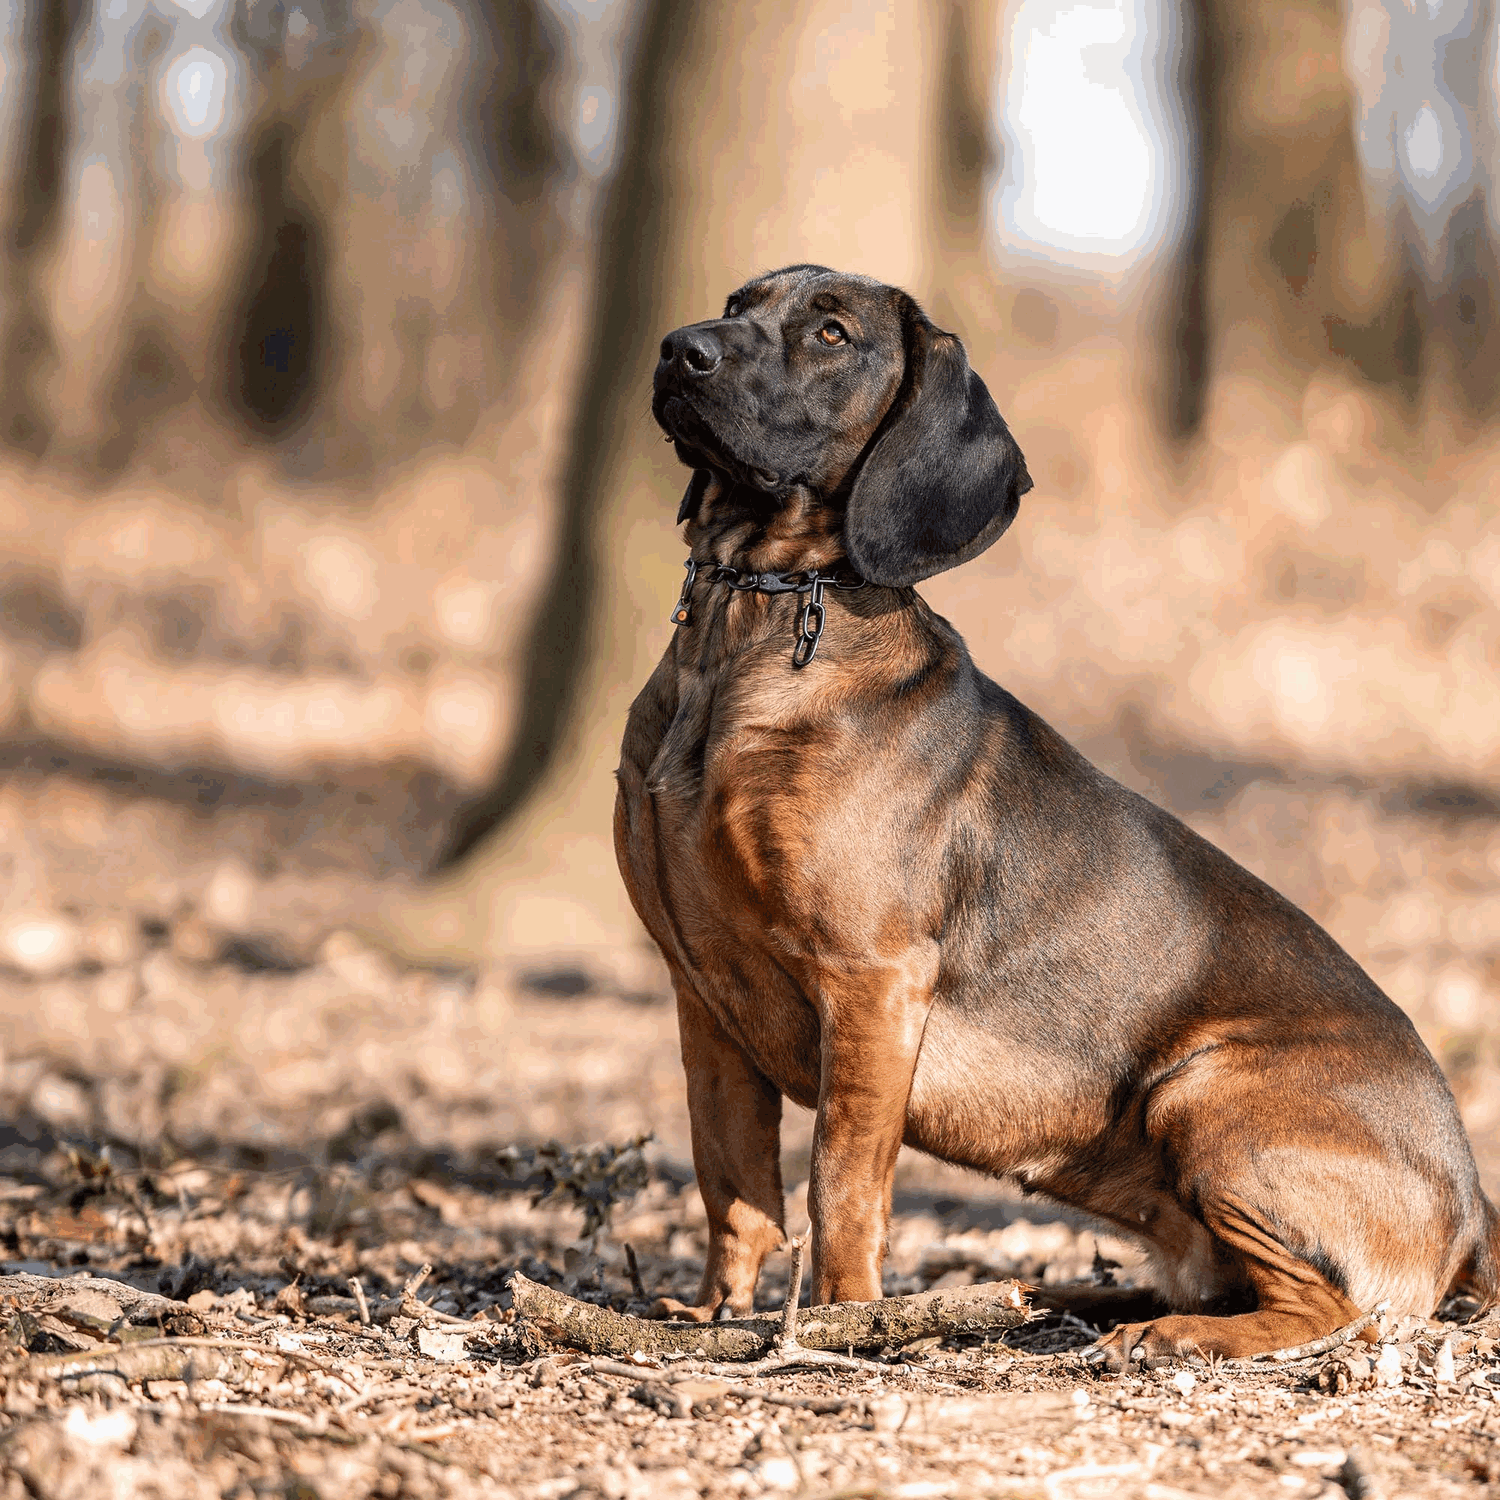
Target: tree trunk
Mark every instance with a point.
(1281, 252)
(821, 150)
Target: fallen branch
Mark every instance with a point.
(1313, 1347)
(789, 1353)
(845, 1325)
(158, 1360)
(55, 1291)
(207, 1358)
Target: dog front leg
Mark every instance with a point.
(735, 1113)
(872, 1026)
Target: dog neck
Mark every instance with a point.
(746, 530)
(755, 532)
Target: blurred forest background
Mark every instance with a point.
(337, 537)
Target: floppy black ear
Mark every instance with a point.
(944, 476)
(692, 496)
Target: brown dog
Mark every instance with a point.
(887, 890)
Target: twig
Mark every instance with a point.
(167, 1358)
(789, 1352)
(410, 1307)
(157, 1360)
(208, 1341)
(359, 1297)
(271, 1413)
(823, 1404)
(646, 1374)
(406, 1305)
(432, 1434)
(332, 1304)
(627, 1372)
(631, 1265)
(431, 1314)
(1314, 1347)
(791, 1359)
(793, 1292)
(391, 1389)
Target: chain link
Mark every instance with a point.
(810, 624)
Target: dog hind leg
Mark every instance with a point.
(1296, 1302)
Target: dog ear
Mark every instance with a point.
(943, 478)
(692, 496)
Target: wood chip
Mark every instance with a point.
(444, 1344)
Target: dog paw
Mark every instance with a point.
(1149, 1345)
(670, 1308)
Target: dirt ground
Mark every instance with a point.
(211, 1099)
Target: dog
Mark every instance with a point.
(888, 891)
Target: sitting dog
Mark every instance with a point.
(888, 891)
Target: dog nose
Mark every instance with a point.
(695, 350)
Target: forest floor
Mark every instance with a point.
(206, 1135)
(233, 1251)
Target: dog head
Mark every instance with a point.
(840, 386)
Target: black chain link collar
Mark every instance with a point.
(810, 620)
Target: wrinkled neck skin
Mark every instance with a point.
(748, 529)
(757, 532)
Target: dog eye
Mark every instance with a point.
(732, 308)
(832, 333)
